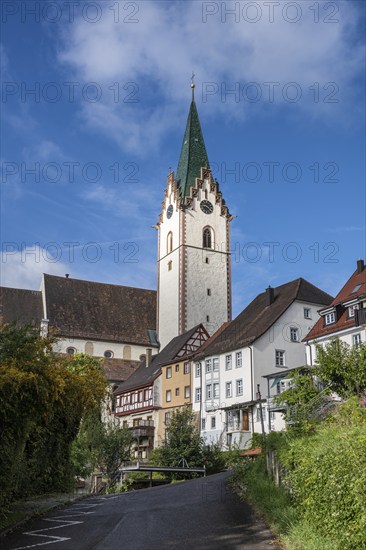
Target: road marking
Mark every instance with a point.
(54, 539)
(75, 510)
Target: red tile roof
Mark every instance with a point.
(100, 311)
(258, 316)
(343, 296)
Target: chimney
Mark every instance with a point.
(66, 275)
(269, 295)
(148, 356)
(360, 266)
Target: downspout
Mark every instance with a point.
(200, 417)
(268, 402)
(252, 382)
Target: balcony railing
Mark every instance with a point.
(145, 428)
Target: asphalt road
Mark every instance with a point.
(198, 514)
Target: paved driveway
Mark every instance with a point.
(198, 514)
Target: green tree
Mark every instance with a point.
(342, 368)
(102, 447)
(43, 398)
(299, 398)
(184, 443)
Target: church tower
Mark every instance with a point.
(194, 266)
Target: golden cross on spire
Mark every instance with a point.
(193, 85)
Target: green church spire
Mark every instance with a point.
(193, 155)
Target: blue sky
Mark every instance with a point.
(280, 94)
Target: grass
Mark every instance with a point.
(274, 504)
(12, 518)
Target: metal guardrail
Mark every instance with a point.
(146, 468)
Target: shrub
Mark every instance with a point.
(327, 473)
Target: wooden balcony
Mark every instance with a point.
(360, 316)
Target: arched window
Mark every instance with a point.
(169, 242)
(127, 352)
(207, 237)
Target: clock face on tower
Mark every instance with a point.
(206, 207)
(169, 212)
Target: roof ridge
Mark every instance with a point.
(21, 289)
(96, 282)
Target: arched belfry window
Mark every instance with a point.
(207, 237)
(169, 242)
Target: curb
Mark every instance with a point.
(39, 514)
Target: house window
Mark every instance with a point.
(307, 313)
(169, 372)
(207, 260)
(208, 292)
(228, 362)
(187, 392)
(146, 395)
(108, 354)
(140, 396)
(198, 370)
(198, 395)
(203, 423)
(238, 359)
(213, 422)
(229, 390)
(176, 392)
(330, 318)
(167, 418)
(356, 340)
(71, 351)
(209, 391)
(169, 242)
(176, 368)
(351, 310)
(278, 388)
(294, 334)
(170, 264)
(168, 396)
(207, 239)
(208, 365)
(207, 318)
(259, 414)
(125, 424)
(186, 368)
(239, 387)
(216, 391)
(280, 358)
(215, 362)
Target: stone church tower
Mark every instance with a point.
(194, 266)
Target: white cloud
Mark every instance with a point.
(159, 52)
(24, 268)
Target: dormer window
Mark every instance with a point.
(351, 311)
(329, 318)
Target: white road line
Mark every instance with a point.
(75, 510)
(54, 539)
